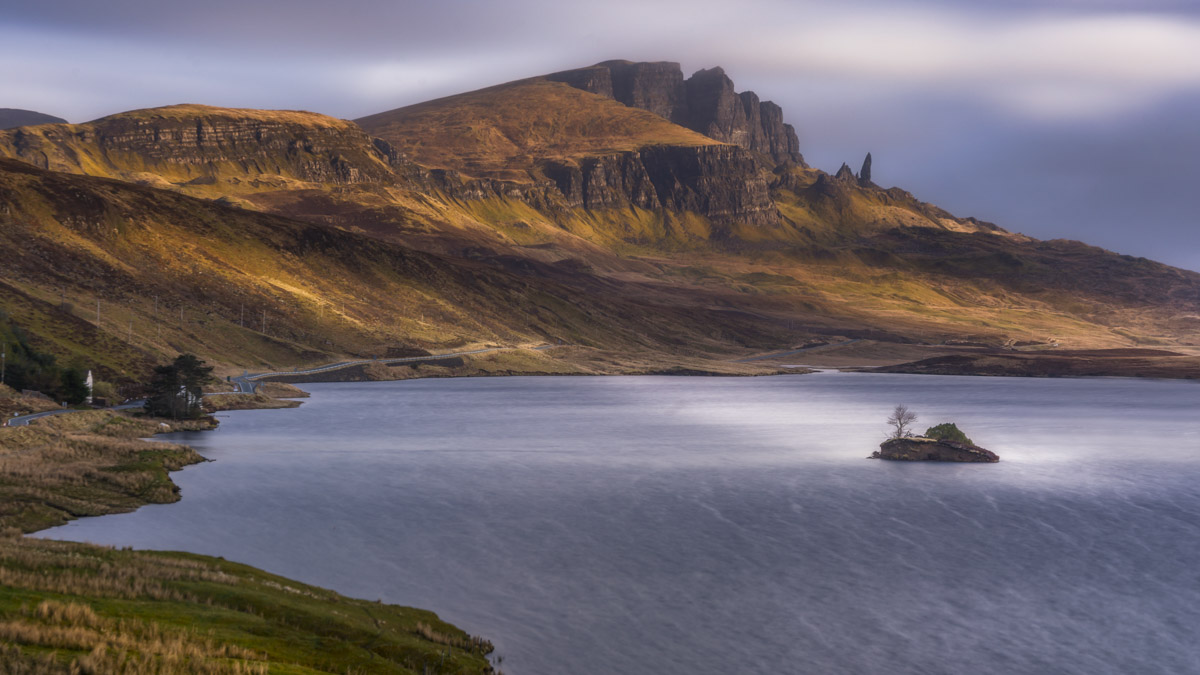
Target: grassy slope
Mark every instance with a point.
(67, 607)
(327, 293)
(84, 464)
(131, 244)
(1094, 363)
(13, 402)
(107, 611)
(507, 130)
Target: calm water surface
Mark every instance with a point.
(725, 525)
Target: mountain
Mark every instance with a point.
(15, 117)
(705, 102)
(643, 216)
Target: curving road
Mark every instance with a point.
(24, 420)
(776, 355)
(248, 383)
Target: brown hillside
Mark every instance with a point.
(509, 130)
(246, 289)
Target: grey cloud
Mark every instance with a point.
(993, 108)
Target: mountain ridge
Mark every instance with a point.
(558, 201)
(17, 117)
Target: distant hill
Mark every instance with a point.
(15, 117)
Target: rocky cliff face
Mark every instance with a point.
(706, 102)
(922, 449)
(184, 147)
(720, 182)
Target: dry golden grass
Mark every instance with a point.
(281, 390)
(222, 402)
(77, 608)
(12, 401)
(85, 464)
(507, 130)
(124, 645)
(188, 111)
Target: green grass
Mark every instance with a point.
(78, 608)
(106, 610)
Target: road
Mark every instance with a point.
(777, 355)
(247, 382)
(24, 420)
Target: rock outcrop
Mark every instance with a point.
(720, 182)
(929, 449)
(845, 174)
(186, 143)
(657, 87)
(706, 102)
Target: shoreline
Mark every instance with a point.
(857, 355)
(205, 611)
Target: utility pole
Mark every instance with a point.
(3, 362)
(130, 338)
(97, 312)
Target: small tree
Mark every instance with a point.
(176, 390)
(74, 389)
(902, 418)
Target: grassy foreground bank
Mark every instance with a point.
(79, 608)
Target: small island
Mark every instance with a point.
(941, 443)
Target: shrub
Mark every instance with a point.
(106, 391)
(948, 431)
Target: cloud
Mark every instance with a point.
(1040, 65)
(1064, 63)
(960, 100)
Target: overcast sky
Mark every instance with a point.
(1077, 118)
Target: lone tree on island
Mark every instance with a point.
(176, 390)
(902, 418)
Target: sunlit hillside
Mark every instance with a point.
(510, 130)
